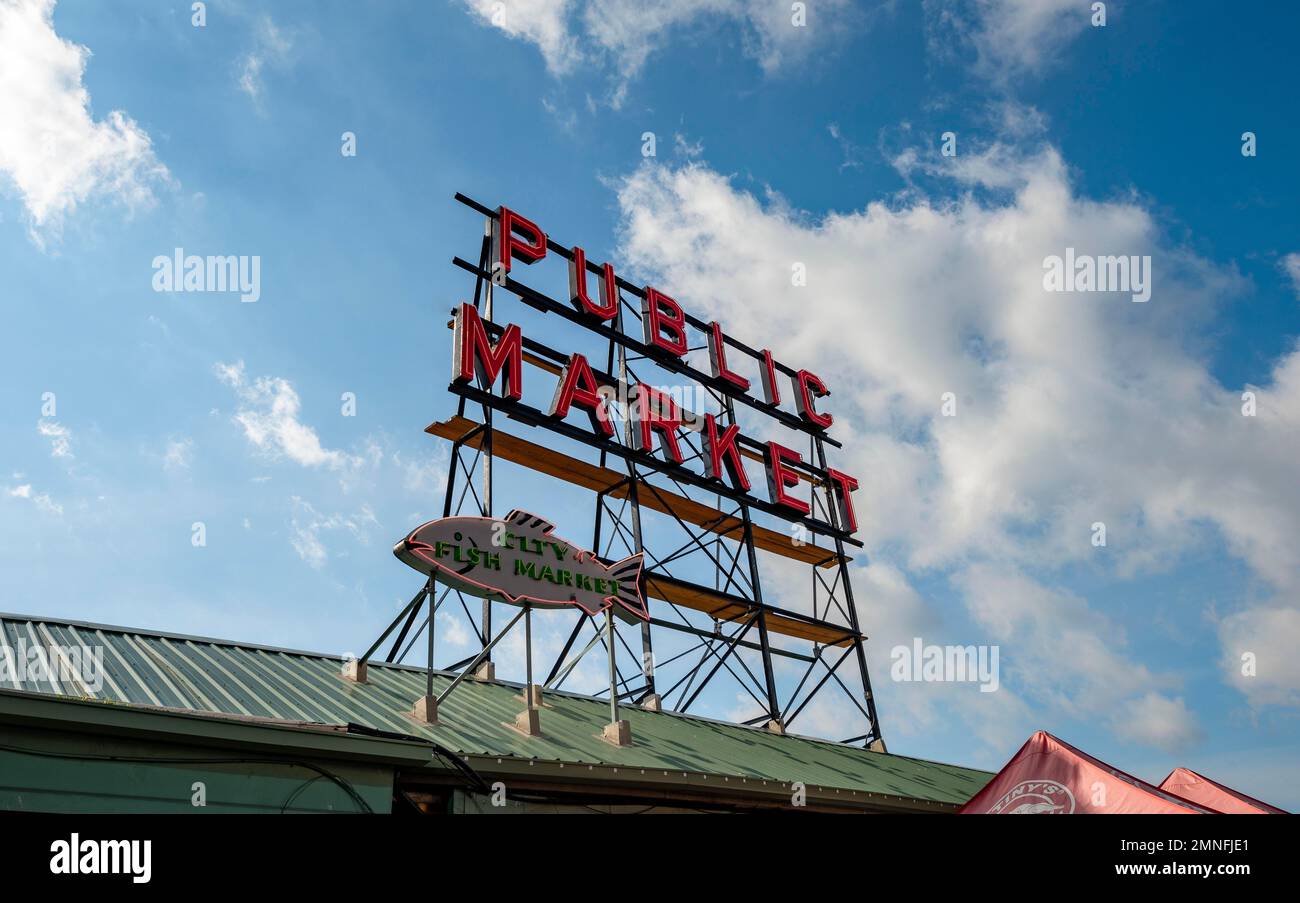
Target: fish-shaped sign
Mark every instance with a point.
(519, 560)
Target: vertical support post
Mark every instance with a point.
(600, 508)
(773, 706)
(453, 463)
(769, 676)
(428, 681)
(650, 698)
(617, 732)
(647, 646)
(487, 453)
(874, 737)
(613, 676)
(529, 721)
(528, 654)
(426, 707)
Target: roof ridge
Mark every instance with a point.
(164, 634)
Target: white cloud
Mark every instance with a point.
(892, 613)
(687, 148)
(541, 22)
(273, 47)
(60, 438)
(1008, 37)
(625, 33)
(1016, 120)
(1073, 660)
(1158, 721)
(1291, 266)
(308, 524)
(177, 454)
(52, 149)
(39, 499)
(564, 117)
(852, 153)
(1005, 38)
(269, 413)
(1270, 637)
(424, 477)
(632, 30)
(1072, 408)
(451, 631)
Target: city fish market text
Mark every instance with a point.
(538, 567)
(654, 417)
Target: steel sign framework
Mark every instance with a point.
(725, 629)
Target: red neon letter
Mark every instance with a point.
(718, 359)
(607, 309)
(844, 485)
(770, 389)
(807, 387)
(659, 313)
(507, 242)
(779, 476)
(655, 411)
(578, 386)
(722, 451)
(473, 353)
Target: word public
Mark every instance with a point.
(653, 414)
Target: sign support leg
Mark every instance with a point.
(874, 739)
(617, 732)
(487, 671)
(529, 721)
(426, 707)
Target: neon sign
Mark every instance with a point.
(486, 353)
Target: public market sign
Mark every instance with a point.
(667, 334)
(518, 559)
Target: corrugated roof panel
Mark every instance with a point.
(147, 668)
(42, 682)
(114, 683)
(150, 670)
(209, 694)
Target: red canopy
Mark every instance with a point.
(1199, 789)
(1051, 777)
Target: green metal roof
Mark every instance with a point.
(198, 674)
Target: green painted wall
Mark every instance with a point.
(55, 771)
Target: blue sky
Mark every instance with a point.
(818, 144)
